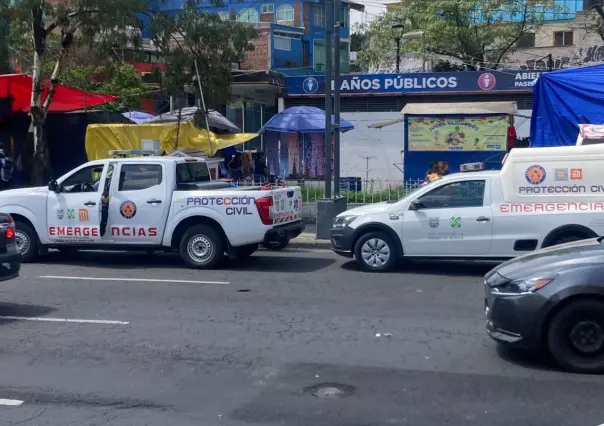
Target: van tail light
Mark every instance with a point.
(10, 231)
(264, 205)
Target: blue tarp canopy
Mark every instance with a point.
(137, 116)
(564, 99)
(301, 119)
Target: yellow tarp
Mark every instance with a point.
(102, 138)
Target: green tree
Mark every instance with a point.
(200, 49)
(100, 25)
(5, 55)
(593, 19)
(474, 32)
(195, 38)
(114, 78)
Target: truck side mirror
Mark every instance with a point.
(53, 186)
(416, 205)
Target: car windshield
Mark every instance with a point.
(415, 190)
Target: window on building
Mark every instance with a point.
(318, 55)
(224, 15)
(285, 14)
(526, 40)
(282, 43)
(248, 15)
(345, 16)
(318, 17)
(268, 8)
(563, 38)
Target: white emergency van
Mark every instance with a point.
(151, 203)
(590, 134)
(541, 197)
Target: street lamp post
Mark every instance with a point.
(398, 46)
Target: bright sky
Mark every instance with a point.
(372, 9)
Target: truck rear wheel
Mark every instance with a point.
(201, 247)
(27, 242)
(243, 252)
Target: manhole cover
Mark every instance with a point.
(330, 390)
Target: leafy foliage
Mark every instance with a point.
(5, 66)
(196, 36)
(473, 32)
(111, 79)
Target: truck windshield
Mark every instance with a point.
(192, 172)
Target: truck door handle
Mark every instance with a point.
(483, 219)
(89, 204)
(154, 202)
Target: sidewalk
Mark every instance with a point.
(308, 239)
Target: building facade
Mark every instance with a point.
(568, 35)
(291, 32)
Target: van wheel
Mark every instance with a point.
(27, 242)
(575, 337)
(201, 247)
(374, 252)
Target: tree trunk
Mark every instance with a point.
(38, 120)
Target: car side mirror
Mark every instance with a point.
(416, 205)
(53, 186)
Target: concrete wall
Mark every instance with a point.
(382, 146)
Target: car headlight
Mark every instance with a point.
(343, 221)
(523, 285)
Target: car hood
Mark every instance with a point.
(23, 191)
(368, 209)
(554, 259)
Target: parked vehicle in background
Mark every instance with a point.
(542, 197)
(151, 203)
(10, 258)
(553, 301)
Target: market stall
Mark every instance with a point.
(439, 137)
(295, 142)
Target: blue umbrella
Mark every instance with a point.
(137, 116)
(301, 119)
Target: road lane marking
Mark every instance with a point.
(79, 321)
(13, 402)
(151, 280)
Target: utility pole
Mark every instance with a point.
(328, 99)
(398, 55)
(336, 99)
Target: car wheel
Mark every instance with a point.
(26, 239)
(276, 245)
(575, 337)
(243, 252)
(201, 247)
(374, 252)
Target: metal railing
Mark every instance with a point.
(357, 191)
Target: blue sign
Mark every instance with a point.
(444, 82)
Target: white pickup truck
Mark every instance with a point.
(151, 203)
(541, 197)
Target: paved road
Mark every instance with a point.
(260, 344)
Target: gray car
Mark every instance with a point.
(552, 300)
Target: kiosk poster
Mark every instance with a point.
(455, 133)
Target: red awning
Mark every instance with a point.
(18, 88)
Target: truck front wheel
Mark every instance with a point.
(201, 247)
(27, 242)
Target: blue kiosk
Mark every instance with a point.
(455, 134)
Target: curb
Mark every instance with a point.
(309, 243)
